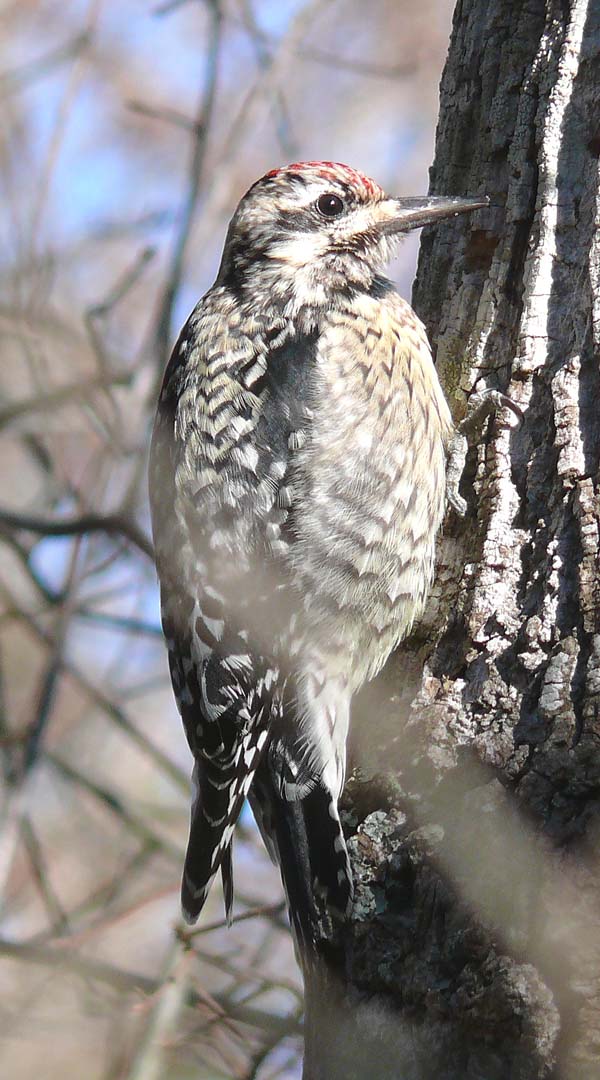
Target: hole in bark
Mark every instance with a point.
(480, 250)
(514, 277)
(449, 656)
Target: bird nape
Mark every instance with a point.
(297, 484)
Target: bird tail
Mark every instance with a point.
(216, 807)
(304, 836)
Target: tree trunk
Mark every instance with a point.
(474, 949)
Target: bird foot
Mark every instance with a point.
(481, 405)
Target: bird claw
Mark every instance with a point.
(481, 405)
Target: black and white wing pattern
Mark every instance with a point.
(227, 429)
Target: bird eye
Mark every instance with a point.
(330, 205)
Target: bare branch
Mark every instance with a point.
(282, 117)
(169, 1001)
(102, 308)
(112, 710)
(162, 333)
(124, 624)
(254, 913)
(102, 897)
(56, 913)
(330, 60)
(63, 395)
(122, 979)
(135, 822)
(13, 82)
(111, 524)
(168, 7)
(58, 133)
(167, 116)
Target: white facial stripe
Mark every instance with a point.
(300, 249)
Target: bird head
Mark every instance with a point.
(313, 227)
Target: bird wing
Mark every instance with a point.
(226, 430)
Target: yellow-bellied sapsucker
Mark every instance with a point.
(297, 483)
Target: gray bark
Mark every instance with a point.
(474, 949)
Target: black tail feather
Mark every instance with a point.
(215, 811)
(227, 879)
(307, 837)
(209, 848)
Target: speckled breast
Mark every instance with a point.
(373, 488)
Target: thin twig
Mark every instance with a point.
(12, 82)
(105, 703)
(108, 922)
(165, 115)
(262, 982)
(202, 123)
(74, 79)
(125, 624)
(122, 979)
(111, 524)
(258, 1059)
(271, 43)
(170, 1000)
(46, 695)
(168, 7)
(56, 912)
(48, 595)
(218, 192)
(119, 291)
(45, 700)
(56, 958)
(101, 897)
(282, 120)
(116, 806)
(254, 913)
(63, 395)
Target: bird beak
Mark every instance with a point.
(402, 215)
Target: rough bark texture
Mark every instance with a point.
(474, 950)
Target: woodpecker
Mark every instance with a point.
(297, 484)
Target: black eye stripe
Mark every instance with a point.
(330, 205)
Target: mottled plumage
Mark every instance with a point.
(297, 484)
